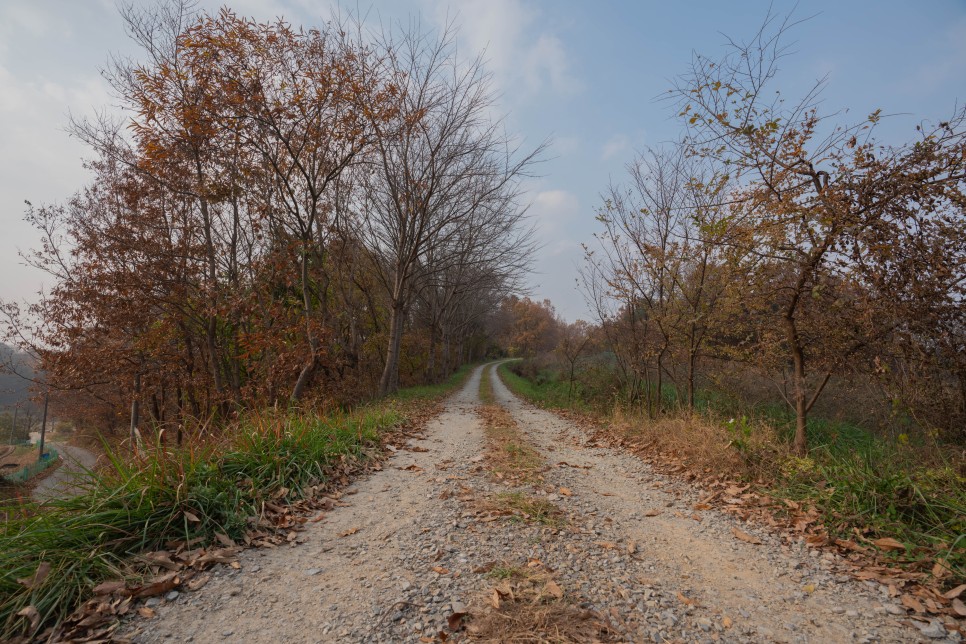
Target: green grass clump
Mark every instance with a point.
(166, 495)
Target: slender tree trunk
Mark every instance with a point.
(389, 383)
(312, 360)
(800, 444)
(135, 411)
(692, 359)
(659, 394)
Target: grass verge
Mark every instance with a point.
(53, 555)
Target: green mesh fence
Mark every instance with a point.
(28, 471)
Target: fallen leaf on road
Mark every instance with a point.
(439, 570)
(198, 582)
(744, 536)
(726, 621)
(888, 543)
(566, 491)
(109, 587)
(955, 592)
(607, 545)
(495, 599)
(146, 612)
(702, 506)
(912, 603)
(631, 547)
(554, 589)
(684, 599)
(653, 512)
(485, 568)
(455, 621)
(959, 607)
(350, 531)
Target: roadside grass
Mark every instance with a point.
(864, 486)
(528, 508)
(509, 456)
(486, 386)
(434, 391)
(545, 391)
(53, 555)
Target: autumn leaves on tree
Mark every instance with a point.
(280, 213)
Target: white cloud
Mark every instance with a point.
(552, 210)
(524, 57)
(615, 146)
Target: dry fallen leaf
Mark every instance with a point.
(439, 570)
(455, 621)
(198, 582)
(726, 621)
(653, 512)
(566, 491)
(955, 592)
(146, 612)
(607, 545)
(959, 607)
(685, 599)
(888, 543)
(37, 578)
(109, 587)
(30, 613)
(350, 531)
(495, 599)
(744, 536)
(702, 506)
(554, 589)
(912, 603)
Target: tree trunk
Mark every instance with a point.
(800, 445)
(135, 411)
(308, 371)
(389, 383)
(691, 369)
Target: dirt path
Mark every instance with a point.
(419, 541)
(63, 481)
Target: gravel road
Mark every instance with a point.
(413, 544)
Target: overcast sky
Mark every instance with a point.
(586, 73)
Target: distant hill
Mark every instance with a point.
(13, 388)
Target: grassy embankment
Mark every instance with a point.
(188, 495)
(864, 487)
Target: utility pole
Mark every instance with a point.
(13, 428)
(43, 425)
